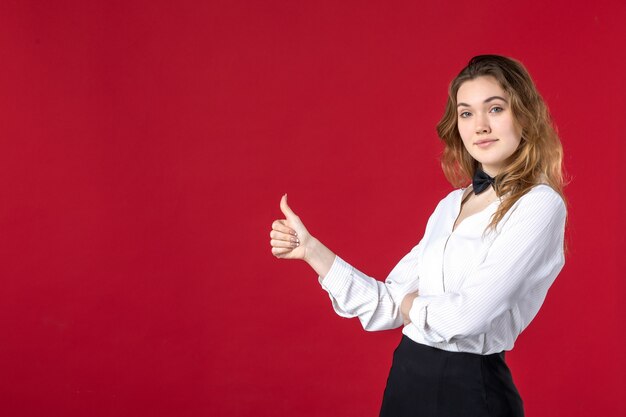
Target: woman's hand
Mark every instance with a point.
(405, 306)
(291, 240)
(289, 236)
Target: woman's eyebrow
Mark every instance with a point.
(486, 101)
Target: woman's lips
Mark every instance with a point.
(484, 143)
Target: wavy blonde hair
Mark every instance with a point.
(537, 160)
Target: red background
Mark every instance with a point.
(144, 148)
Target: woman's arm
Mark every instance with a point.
(353, 293)
(405, 306)
(521, 264)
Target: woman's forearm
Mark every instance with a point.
(319, 257)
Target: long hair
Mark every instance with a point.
(538, 158)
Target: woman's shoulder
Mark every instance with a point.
(454, 196)
(543, 192)
(450, 202)
(541, 200)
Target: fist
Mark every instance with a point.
(288, 236)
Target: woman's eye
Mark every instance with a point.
(465, 114)
(497, 109)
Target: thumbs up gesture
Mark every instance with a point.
(289, 237)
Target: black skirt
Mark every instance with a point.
(430, 382)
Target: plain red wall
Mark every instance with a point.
(144, 148)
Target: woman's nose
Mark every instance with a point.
(482, 125)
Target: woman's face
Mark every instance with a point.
(486, 123)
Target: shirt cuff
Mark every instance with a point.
(419, 313)
(337, 278)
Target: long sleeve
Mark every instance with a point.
(375, 303)
(523, 260)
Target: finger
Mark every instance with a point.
(283, 244)
(283, 236)
(284, 207)
(280, 226)
(280, 251)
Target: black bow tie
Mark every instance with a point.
(481, 181)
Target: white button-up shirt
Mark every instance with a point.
(478, 289)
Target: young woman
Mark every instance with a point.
(489, 253)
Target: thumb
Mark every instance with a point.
(284, 207)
